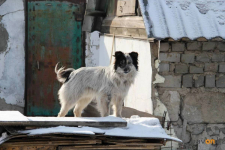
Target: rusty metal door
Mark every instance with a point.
(53, 35)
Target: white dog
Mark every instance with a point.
(108, 85)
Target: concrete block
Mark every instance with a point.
(220, 82)
(163, 67)
(217, 57)
(181, 68)
(187, 80)
(203, 58)
(210, 81)
(171, 99)
(199, 81)
(204, 107)
(177, 47)
(211, 67)
(194, 69)
(196, 128)
(164, 47)
(169, 57)
(221, 46)
(194, 46)
(171, 81)
(208, 46)
(188, 58)
(222, 68)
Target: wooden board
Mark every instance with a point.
(124, 22)
(126, 7)
(11, 118)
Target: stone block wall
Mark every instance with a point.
(193, 91)
(193, 64)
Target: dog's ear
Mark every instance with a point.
(119, 54)
(134, 56)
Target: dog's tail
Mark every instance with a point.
(63, 74)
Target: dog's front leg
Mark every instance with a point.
(104, 105)
(117, 107)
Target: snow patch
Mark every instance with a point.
(137, 127)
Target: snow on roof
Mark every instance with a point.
(137, 127)
(184, 18)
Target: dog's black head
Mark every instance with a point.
(126, 62)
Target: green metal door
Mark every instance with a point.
(53, 35)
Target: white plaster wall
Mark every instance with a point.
(12, 61)
(98, 53)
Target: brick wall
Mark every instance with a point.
(192, 64)
(193, 93)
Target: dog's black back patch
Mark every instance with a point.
(66, 74)
(134, 56)
(120, 60)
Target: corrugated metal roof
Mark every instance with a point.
(184, 18)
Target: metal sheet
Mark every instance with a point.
(187, 18)
(54, 35)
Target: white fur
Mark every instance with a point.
(106, 85)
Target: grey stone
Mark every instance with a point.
(185, 138)
(196, 128)
(188, 58)
(171, 99)
(164, 47)
(5, 106)
(187, 80)
(217, 57)
(194, 69)
(210, 81)
(203, 57)
(199, 81)
(221, 46)
(194, 46)
(163, 67)
(170, 57)
(181, 68)
(204, 107)
(172, 67)
(171, 81)
(177, 47)
(222, 68)
(3, 38)
(211, 67)
(207, 46)
(220, 82)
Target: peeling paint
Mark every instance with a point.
(12, 60)
(159, 79)
(92, 49)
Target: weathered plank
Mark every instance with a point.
(126, 7)
(11, 118)
(124, 22)
(135, 33)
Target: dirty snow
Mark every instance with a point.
(136, 127)
(186, 18)
(12, 116)
(4, 136)
(85, 119)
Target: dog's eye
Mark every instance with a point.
(129, 62)
(122, 62)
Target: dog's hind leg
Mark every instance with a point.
(64, 109)
(80, 105)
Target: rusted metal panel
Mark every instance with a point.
(54, 35)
